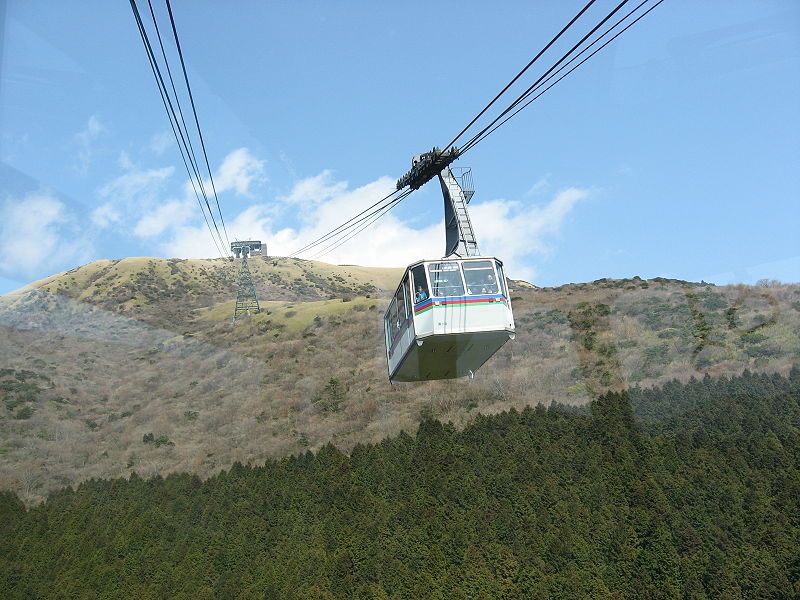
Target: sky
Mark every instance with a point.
(674, 152)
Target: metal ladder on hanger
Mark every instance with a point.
(459, 198)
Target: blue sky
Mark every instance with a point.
(674, 152)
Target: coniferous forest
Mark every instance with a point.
(688, 491)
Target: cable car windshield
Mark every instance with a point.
(446, 279)
(480, 277)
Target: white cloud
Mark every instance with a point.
(124, 161)
(516, 234)
(511, 230)
(35, 235)
(541, 186)
(136, 185)
(172, 214)
(195, 241)
(85, 140)
(131, 194)
(160, 142)
(239, 170)
(105, 215)
(315, 189)
(133, 200)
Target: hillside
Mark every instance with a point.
(135, 365)
(690, 491)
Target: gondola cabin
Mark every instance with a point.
(447, 318)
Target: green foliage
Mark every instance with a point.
(26, 412)
(583, 321)
(330, 398)
(16, 388)
(162, 440)
(687, 491)
(731, 317)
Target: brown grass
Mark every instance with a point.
(177, 367)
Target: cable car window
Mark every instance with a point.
(388, 328)
(501, 276)
(392, 314)
(420, 284)
(407, 297)
(400, 303)
(480, 277)
(446, 279)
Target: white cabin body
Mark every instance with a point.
(447, 318)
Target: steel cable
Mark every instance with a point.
(509, 117)
(196, 120)
(177, 133)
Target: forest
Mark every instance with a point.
(690, 490)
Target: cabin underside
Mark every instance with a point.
(449, 356)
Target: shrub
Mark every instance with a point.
(330, 398)
(163, 440)
(26, 412)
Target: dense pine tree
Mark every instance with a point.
(692, 490)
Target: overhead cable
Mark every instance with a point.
(370, 215)
(485, 134)
(350, 223)
(520, 74)
(378, 214)
(196, 120)
(192, 156)
(564, 57)
(174, 123)
(182, 125)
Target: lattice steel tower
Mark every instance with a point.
(246, 300)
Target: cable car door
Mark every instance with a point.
(447, 292)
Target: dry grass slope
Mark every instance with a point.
(135, 365)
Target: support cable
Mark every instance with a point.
(524, 94)
(344, 226)
(520, 74)
(188, 140)
(363, 220)
(379, 213)
(540, 94)
(167, 107)
(196, 120)
(192, 155)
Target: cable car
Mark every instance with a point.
(448, 315)
(447, 318)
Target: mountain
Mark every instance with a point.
(135, 365)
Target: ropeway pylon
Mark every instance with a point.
(246, 300)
